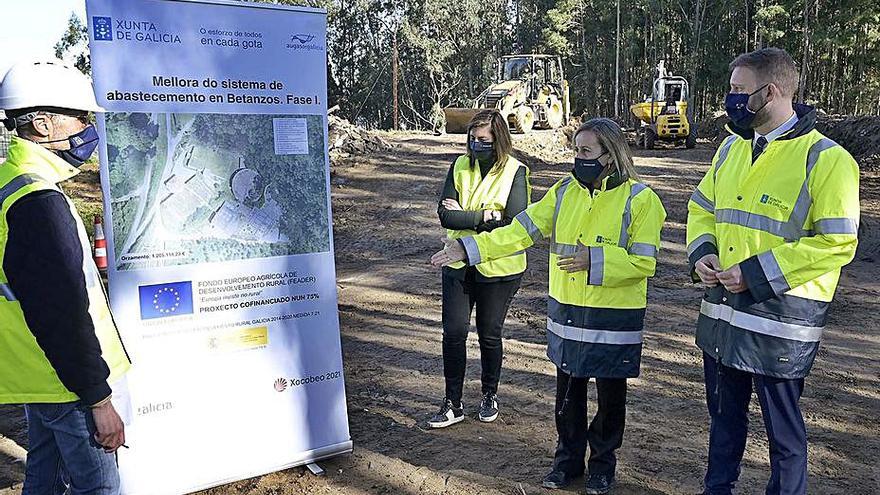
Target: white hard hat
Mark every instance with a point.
(46, 84)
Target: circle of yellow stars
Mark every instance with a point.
(159, 293)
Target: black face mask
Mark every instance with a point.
(587, 170)
(484, 152)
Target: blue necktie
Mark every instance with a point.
(760, 146)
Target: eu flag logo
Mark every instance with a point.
(102, 27)
(162, 300)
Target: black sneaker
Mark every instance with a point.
(556, 479)
(597, 484)
(447, 415)
(489, 408)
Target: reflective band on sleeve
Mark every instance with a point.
(594, 336)
(815, 150)
(627, 214)
(801, 209)
(472, 250)
(6, 293)
(560, 193)
(760, 325)
(773, 272)
(837, 226)
(526, 221)
(699, 198)
(643, 249)
(597, 266)
(699, 241)
(562, 249)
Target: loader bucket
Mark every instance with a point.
(457, 119)
(646, 111)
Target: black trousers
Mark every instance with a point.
(604, 434)
(492, 299)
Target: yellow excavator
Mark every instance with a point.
(530, 91)
(664, 114)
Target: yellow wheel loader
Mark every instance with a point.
(664, 115)
(530, 91)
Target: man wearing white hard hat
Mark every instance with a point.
(60, 351)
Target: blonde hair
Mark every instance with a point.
(613, 142)
(503, 142)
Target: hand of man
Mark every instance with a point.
(452, 252)
(489, 215)
(732, 279)
(111, 431)
(577, 262)
(451, 204)
(707, 269)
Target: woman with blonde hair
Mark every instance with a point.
(604, 230)
(484, 190)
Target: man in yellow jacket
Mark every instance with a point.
(769, 228)
(60, 352)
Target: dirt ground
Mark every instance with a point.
(386, 228)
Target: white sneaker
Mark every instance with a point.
(489, 408)
(448, 415)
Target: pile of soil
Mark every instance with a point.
(346, 137)
(859, 135)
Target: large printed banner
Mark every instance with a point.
(222, 281)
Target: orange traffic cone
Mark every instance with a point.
(100, 245)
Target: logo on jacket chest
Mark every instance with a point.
(774, 202)
(605, 240)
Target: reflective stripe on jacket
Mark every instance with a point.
(595, 317)
(791, 222)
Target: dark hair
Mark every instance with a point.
(500, 133)
(771, 65)
(613, 142)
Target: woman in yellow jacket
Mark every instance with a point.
(604, 231)
(484, 190)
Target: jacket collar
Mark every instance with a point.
(608, 183)
(30, 157)
(806, 122)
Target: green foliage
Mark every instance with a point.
(447, 50)
(74, 42)
(88, 210)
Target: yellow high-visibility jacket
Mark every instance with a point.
(790, 221)
(26, 373)
(595, 317)
(488, 193)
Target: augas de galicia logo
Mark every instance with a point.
(303, 41)
(302, 38)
